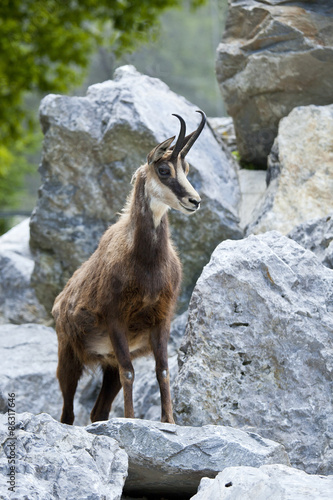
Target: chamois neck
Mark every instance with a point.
(145, 204)
(149, 221)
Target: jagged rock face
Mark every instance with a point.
(166, 459)
(18, 301)
(300, 173)
(257, 353)
(55, 461)
(316, 235)
(92, 147)
(274, 56)
(272, 481)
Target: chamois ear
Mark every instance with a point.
(157, 153)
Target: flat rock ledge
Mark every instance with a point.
(170, 460)
(277, 482)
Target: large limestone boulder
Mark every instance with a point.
(277, 482)
(169, 460)
(274, 56)
(18, 300)
(92, 147)
(301, 172)
(257, 353)
(57, 462)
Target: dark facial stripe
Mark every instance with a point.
(175, 186)
(172, 182)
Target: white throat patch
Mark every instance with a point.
(159, 209)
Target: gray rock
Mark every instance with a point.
(29, 355)
(301, 181)
(316, 235)
(92, 147)
(253, 188)
(55, 461)
(146, 392)
(18, 301)
(277, 482)
(275, 55)
(166, 459)
(257, 352)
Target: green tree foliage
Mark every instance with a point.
(45, 45)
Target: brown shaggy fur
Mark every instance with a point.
(118, 305)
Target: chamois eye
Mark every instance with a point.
(164, 171)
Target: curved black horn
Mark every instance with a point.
(180, 139)
(194, 136)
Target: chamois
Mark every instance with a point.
(119, 304)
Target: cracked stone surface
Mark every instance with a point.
(257, 351)
(166, 459)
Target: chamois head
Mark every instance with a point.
(167, 171)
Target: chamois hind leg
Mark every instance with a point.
(126, 370)
(159, 337)
(109, 390)
(69, 372)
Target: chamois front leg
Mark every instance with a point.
(159, 341)
(126, 370)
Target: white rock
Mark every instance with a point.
(166, 459)
(55, 461)
(276, 482)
